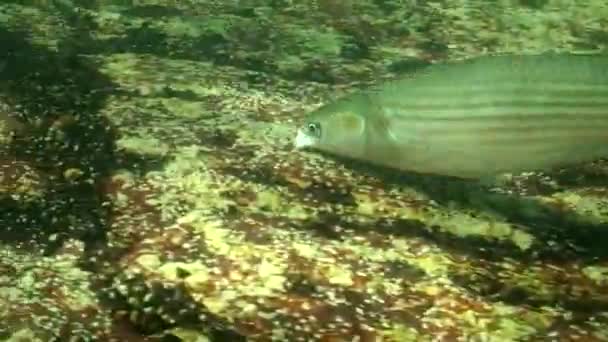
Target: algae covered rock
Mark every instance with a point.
(158, 195)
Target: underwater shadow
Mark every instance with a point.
(563, 239)
(145, 37)
(152, 11)
(55, 97)
(560, 235)
(573, 236)
(58, 99)
(175, 301)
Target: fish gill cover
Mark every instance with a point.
(149, 189)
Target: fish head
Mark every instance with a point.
(338, 128)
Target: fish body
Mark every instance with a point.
(473, 119)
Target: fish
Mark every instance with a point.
(472, 119)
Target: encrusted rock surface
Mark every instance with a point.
(149, 187)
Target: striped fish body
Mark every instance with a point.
(485, 116)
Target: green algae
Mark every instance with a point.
(598, 274)
(277, 244)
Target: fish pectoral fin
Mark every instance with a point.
(400, 132)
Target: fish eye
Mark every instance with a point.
(314, 129)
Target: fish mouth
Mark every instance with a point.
(303, 140)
